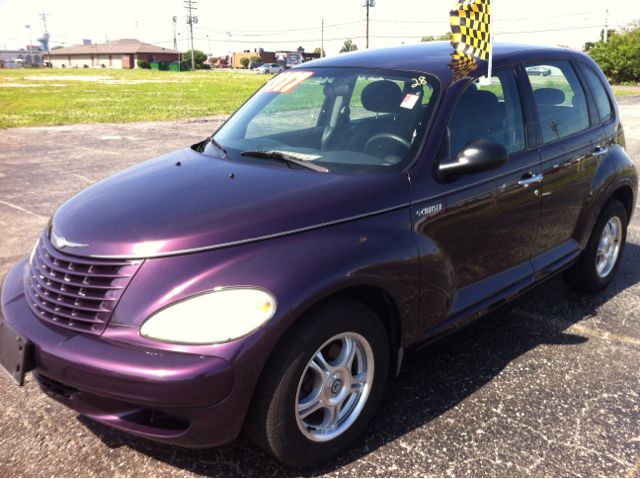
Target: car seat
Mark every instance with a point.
(382, 97)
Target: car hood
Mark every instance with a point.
(185, 201)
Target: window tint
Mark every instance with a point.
(562, 104)
(600, 92)
(489, 113)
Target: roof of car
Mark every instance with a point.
(432, 57)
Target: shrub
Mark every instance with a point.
(619, 58)
(245, 62)
(256, 59)
(143, 64)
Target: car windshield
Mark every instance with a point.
(345, 120)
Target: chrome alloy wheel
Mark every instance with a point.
(334, 387)
(609, 247)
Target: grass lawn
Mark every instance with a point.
(121, 96)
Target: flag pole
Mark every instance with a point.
(487, 80)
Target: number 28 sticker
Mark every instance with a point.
(419, 81)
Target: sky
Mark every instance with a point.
(226, 26)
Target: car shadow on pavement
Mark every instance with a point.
(430, 383)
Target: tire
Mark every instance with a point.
(292, 381)
(594, 270)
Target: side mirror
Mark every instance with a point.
(474, 157)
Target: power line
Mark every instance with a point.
(270, 32)
(357, 36)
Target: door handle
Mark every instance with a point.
(600, 151)
(526, 182)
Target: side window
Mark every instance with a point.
(600, 93)
(489, 113)
(561, 101)
(298, 112)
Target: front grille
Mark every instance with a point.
(76, 293)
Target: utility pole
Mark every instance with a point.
(44, 16)
(606, 26)
(30, 40)
(368, 3)
(135, 27)
(209, 41)
(322, 43)
(175, 27)
(367, 24)
(190, 6)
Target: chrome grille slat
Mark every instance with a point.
(73, 292)
(45, 259)
(54, 297)
(67, 281)
(39, 302)
(86, 261)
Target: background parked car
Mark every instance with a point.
(254, 65)
(270, 68)
(543, 72)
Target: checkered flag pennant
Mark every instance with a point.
(471, 28)
(462, 64)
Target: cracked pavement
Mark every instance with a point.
(548, 385)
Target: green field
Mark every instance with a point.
(123, 96)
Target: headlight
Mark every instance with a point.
(33, 252)
(214, 317)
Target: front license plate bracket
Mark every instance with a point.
(14, 352)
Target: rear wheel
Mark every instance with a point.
(322, 385)
(600, 260)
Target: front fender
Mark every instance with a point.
(299, 270)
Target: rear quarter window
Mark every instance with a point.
(599, 92)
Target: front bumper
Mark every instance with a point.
(175, 397)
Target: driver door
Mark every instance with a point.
(484, 226)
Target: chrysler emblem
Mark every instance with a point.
(60, 242)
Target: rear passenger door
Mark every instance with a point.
(571, 140)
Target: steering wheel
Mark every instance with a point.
(380, 139)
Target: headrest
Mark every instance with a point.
(549, 96)
(382, 96)
(477, 102)
(331, 90)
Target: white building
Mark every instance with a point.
(26, 57)
(123, 53)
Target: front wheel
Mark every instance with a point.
(322, 385)
(600, 260)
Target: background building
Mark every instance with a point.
(123, 53)
(282, 57)
(32, 56)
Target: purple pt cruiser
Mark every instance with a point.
(353, 210)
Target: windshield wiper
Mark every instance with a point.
(289, 159)
(219, 147)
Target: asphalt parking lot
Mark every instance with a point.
(547, 386)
